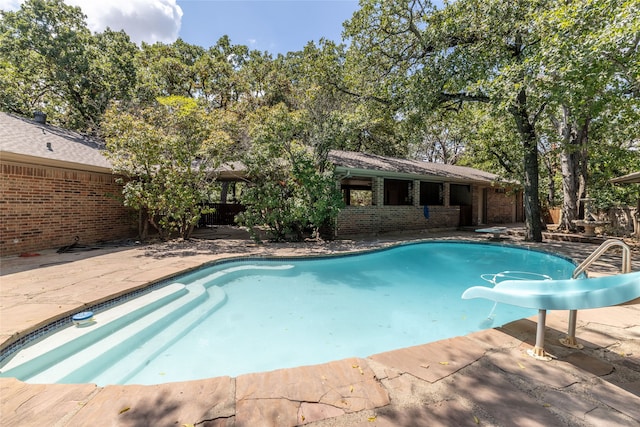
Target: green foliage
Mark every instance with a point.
(50, 61)
(613, 161)
(491, 142)
(495, 84)
(166, 70)
(167, 153)
(616, 152)
(554, 69)
(337, 116)
(589, 54)
(417, 59)
(288, 194)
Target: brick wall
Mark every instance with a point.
(376, 219)
(501, 206)
(46, 207)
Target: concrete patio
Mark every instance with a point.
(484, 378)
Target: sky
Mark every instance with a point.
(276, 26)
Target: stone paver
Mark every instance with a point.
(310, 392)
(441, 414)
(501, 401)
(481, 379)
(567, 403)
(593, 365)
(618, 398)
(37, 404)
(434, 361)
(267, 412)
(517, 362)
(165, 404)
(603, 417)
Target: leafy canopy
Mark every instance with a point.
(167, 153)
(288, 192)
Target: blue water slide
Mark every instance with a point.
(570, 294)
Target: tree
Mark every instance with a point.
(167, 70)
(289, 193)
(340, 117)
(419, 59)
(589, 54)
(50, 61)
(167, 154)
(450, 136)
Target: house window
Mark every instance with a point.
(431, 193)
(357, 191)
(460, 195)
(398, 192)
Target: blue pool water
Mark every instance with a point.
(258, 315)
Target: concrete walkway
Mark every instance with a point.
(480, 379)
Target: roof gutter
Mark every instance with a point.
(403, 175)
(8, 156)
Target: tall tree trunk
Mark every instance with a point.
(573, 161)
(570, 197)
(143, 224)
(636, 221)
(533, 217)
(532, 211)
(551, 186)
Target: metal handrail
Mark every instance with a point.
(626, 257)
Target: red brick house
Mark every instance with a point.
(55, 185)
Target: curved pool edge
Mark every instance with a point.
(24, 337)
(348, 391)
(65, 404)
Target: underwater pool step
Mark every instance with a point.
(75, 351)
(121, 337)
(122, 371)
(64, 343)
(209, 277)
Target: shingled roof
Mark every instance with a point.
(40, 143)
(356, 161)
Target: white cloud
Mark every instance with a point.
(7, 5)
(144, 20)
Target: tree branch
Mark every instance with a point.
(500, 157)
(462, 96)
(361, 96)
(537, 115)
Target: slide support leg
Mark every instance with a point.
(570, 340)
(538, 351)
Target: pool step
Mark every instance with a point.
(68, 341)
(123, 339)
(90, 358)
(220, 276)
(143, 346)
(181, 323)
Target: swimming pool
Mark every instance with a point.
(255, 315)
